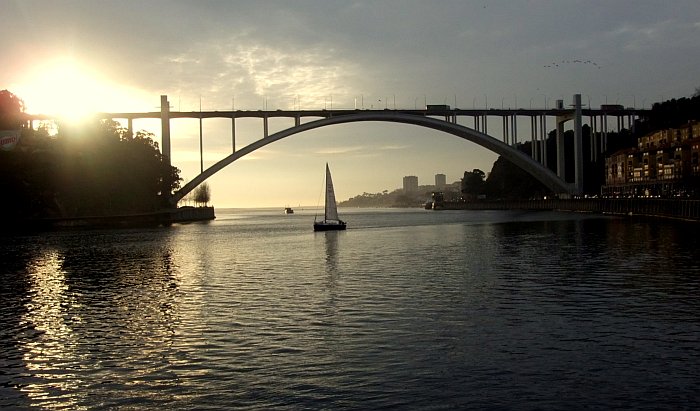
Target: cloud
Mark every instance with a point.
(393, 147)
(339, 150)
(257, 74)
(669, 33)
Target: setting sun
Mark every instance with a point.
(67, 89)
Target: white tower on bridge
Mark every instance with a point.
(578, 142)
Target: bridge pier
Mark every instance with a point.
(576, 116)
(605, 133)
(510, 130)
(578, 144)
(233, 132)
(538, 138)
(165, 127)
(543, 138)
(561, 159)
(593, 140)
(201, 141)
(480, 123)
(534, 150)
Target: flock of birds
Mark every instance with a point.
(576, 61)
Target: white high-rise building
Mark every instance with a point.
(440, 181)
(410, 184)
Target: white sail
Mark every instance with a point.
(331, 207)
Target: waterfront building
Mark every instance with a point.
(664, 164)
(410, 184)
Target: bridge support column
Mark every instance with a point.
(130, 126)
(593, 139)
(578, 144)
(561, 158)
(233, 132)
(165, 128)
(543, 138)
(533, 137)
(604, 142)
(201, 143)
(265, 130)
(632, 122)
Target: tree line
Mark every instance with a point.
(94, 169)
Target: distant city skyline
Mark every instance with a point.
(73, 57)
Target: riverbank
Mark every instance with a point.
(652, 207)
(154, 219)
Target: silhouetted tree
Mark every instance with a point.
(508, 181)
(96, 168)
(11, 109)
(473, 183)
(202, 194)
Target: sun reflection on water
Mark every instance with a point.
(52, 352)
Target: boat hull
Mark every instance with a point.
(324, 226)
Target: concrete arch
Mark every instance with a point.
(541, 173)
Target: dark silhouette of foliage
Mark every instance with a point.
(673, 113)
(95, 169)
(202, 194)
(508, 182)
(11, 109)
(473, 183)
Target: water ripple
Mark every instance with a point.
(407, 309)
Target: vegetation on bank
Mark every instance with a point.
(92, 169)
(396, 198)
(200, 196)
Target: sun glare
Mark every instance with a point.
(71, 91)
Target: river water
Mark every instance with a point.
(406, 309)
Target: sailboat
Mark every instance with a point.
(330, 219)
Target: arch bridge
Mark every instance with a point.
(438, 117)
(543, 174)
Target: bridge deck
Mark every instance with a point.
(339, 112)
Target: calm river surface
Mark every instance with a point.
(406, 309)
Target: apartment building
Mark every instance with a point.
(664, 163)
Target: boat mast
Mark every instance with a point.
(329, 187)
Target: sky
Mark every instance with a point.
(71, 57)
